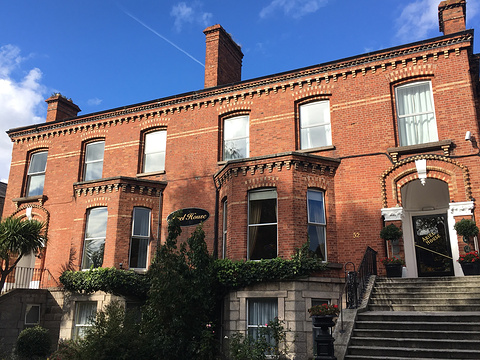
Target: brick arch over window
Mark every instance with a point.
(38, 213)
(450, 171)
(411, 73)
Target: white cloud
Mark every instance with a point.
(21, 101)
(293, 8)
(417, 20)
(94, 102)
(190, 14)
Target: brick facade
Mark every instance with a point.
(365, 174)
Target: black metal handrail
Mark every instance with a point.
(367, 267)
(356, 281)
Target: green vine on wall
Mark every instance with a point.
(229, 275)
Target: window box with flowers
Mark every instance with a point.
(470, 263)
(394, 266)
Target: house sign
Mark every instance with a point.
(190, 216)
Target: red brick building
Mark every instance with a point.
(326, 154)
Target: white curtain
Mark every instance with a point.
(260, 313)
(416, 116)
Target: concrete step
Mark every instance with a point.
(416, 343)
(412, 300)
(424, 307)
(419, 317)
(382, 352)
(371, 332)
(370, 357)
(421, 326)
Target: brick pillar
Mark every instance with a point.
(60, 108)
(223, 58)
(451, 16)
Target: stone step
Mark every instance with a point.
(420, 326)
(415, 334)
(416, 343)
(457, 300)
(429, 280)
(424, 307)
(370, 357)
(419, 317)
(382, 352)
(443, 290)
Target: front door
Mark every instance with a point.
(432, 245)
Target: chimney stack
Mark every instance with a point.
(451, 16)
(223, 58)
(60, 108)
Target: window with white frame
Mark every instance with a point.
(32, 314)
(36, 173)
(140, 238)
(93, 160)
(416, 113)
(154, 152)
(235, 138)
(84, 315)
(262, 224)
(95, 234)
(224, 234)
(260, 313)
(315, 127)
(316, 222)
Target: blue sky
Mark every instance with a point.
(106, 54)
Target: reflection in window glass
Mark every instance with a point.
(235, 135)
(154, 155)
(94, 160)
(32, 314)
(262, 224)
(36, 173)
(95, 234)
(315, 128)
(140, 238)
(316, 223)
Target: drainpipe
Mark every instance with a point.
(215, 225)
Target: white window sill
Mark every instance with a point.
(160, 172)
(317, 149)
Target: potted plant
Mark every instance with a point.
(394, 266)
(470, 263)
(323, 315)
(391, 233)
(466, 228)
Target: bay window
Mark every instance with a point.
(36, 173)
(140, 238)
(262, 224)
(315, 127)
(416, 113)
(316, 223)
(235, 138)
(95, 234)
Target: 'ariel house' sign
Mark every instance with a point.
(190, 216)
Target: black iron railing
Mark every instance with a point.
(356, 281)
(28, 278)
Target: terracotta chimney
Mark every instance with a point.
(223, 58)
(60, 108)
(451, 16)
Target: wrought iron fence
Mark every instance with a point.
(28, 278)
